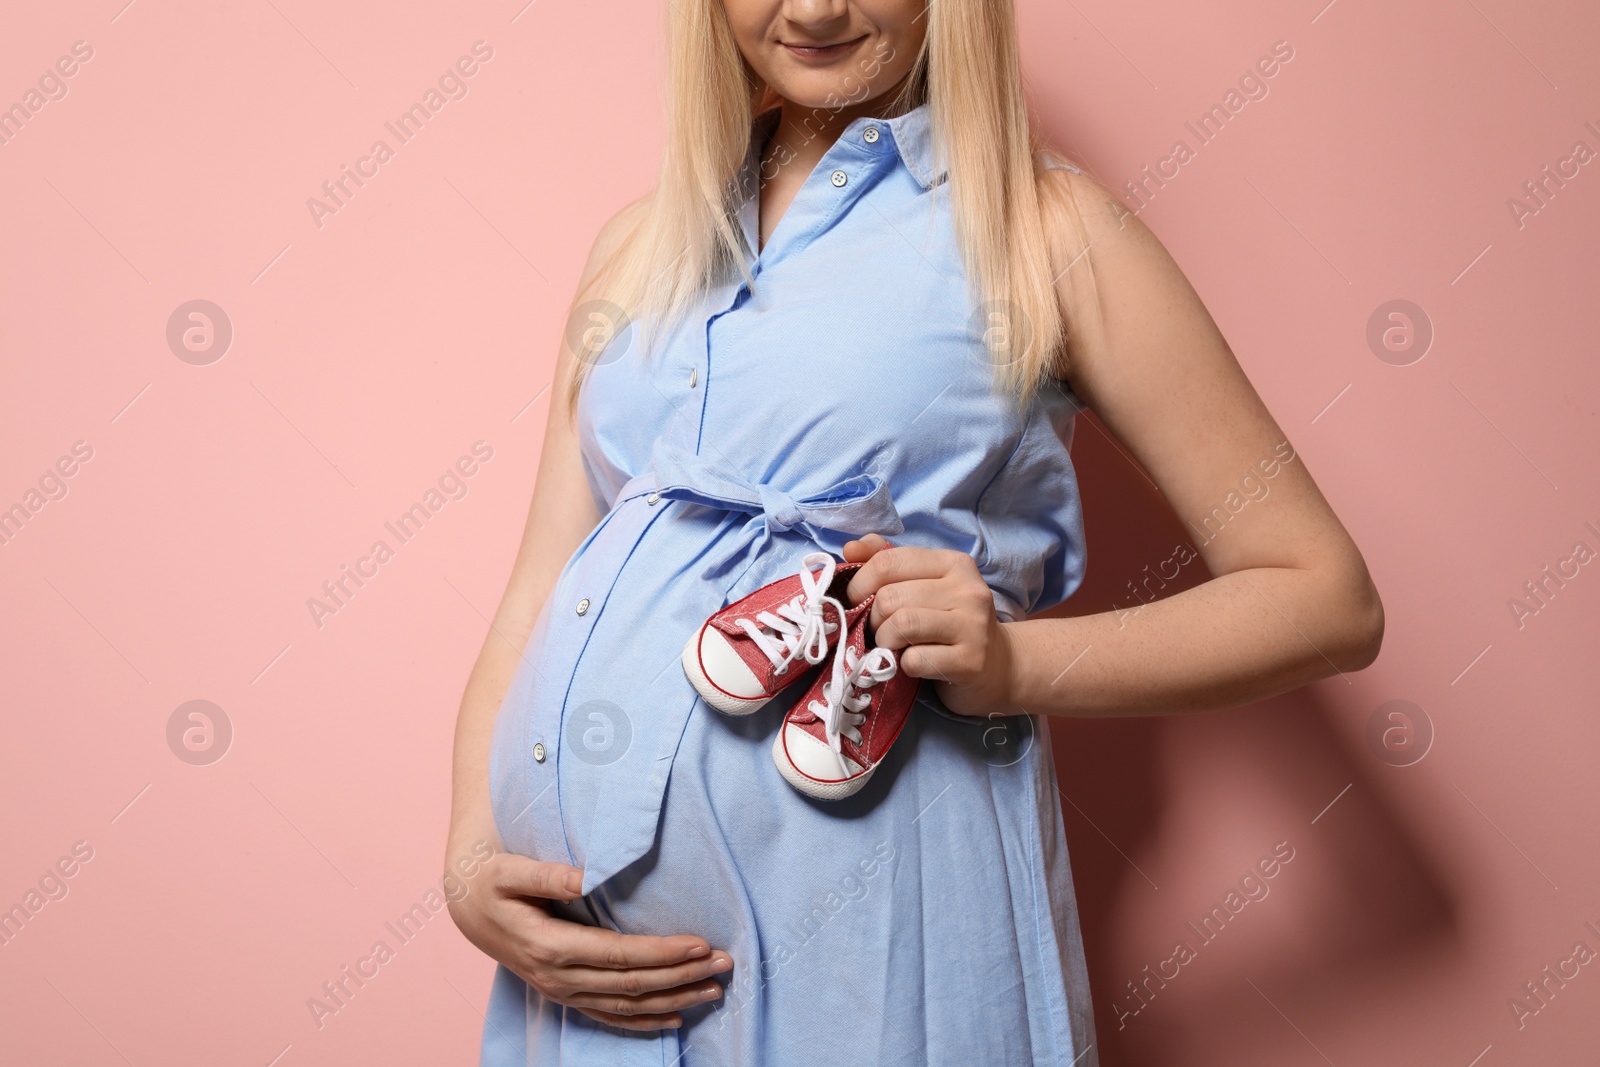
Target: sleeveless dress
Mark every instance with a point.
(930, 918)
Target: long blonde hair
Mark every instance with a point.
(684, 237)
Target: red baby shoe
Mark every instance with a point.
(751, 650)
(838, 733)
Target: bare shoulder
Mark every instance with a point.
(1109, 269)
(1077, 208)
(582, 315)
(613, 234)
(1063, 184)
(616, 229)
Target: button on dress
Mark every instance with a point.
(930, 918)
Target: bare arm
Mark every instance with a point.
(631, 981)
(1291, 601)
(560, 516)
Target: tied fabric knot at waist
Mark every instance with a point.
(855, 506)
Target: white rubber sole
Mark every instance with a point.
(815, 787)
(726, 703)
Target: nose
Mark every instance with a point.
(817, 17)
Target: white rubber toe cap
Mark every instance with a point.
(721, 678)
(812, 767)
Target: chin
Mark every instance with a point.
(810, 97)
(822, 89)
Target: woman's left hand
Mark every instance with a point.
(935, 612)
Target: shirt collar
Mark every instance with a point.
(912, 134)
(914, 140)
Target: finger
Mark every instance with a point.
(639, 981)
(919, 626)
(571, 944)
(864, 548)
(915, 593)
(635, 1022)
(664, 1002)
(903, 563)
(523, 877)
(941, 663)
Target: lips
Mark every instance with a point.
(822, 52)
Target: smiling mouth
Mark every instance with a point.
(822, 53)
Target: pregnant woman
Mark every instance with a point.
(856, 316)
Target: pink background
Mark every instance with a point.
(368, 354)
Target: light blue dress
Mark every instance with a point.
(929, 919)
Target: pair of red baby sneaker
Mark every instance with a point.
(856, 704)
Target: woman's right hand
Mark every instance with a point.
(632, 981)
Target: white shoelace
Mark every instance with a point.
(844, 697)
(798, 628)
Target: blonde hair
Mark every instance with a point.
(683, 239)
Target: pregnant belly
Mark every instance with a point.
(593, 719)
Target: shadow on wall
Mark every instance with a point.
(1165, 814)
